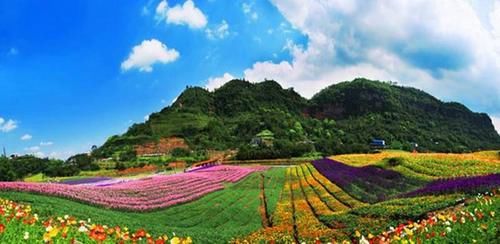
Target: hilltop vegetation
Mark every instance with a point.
(401, 115)
(342, 118)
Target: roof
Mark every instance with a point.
(266, 134)
(378, 142)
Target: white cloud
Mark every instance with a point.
(495, 19)
(216, 82)
(496, 123)
(146, 117)
(37, 151)
(13, 51)
(220, 31)
(33, 149)
(145, 11)
(63, 155)
(26, 137)
(246, 7)
(46, 143)
(7, 126)
(254, 16)
(185, 14)
(439, 46)
(249, 11)
(161, 9)
(149, 52)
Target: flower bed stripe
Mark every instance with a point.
(330, 200)
(333, 189)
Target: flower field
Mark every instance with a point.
(143, 194)
(459, 184)
(429, 166)
(86, 180)
(477, 222)
(233, 211)
(329, 201)
(367, 183)
(384, 201)
(16, 219)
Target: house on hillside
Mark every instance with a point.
(377, 144)
(265, 137)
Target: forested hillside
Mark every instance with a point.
(341, 118)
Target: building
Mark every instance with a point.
(265, 137)
(377, 144)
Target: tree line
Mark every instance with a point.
(18, 167)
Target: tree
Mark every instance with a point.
(396, 145)
(59, 168)
(83, 161)
(7, 172)
(120, 166)
(180, 152)
(128, 154)
(28, 165)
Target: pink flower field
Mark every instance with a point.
(144, 194)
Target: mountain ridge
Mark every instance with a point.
(341, 118)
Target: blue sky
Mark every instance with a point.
(73, 73)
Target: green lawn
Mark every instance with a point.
(218, 216)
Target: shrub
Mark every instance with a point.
(57, 168)
(128, 154)
(120, 166)
(395, 161)
(180, 152)
(83, 162)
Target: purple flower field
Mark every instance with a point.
(369, 183)
(460, 184)
(85, 180)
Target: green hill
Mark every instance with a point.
(341, 118)
(403, 114)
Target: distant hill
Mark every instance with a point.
(341, 118)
